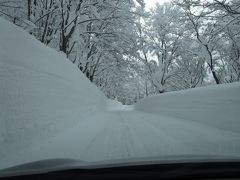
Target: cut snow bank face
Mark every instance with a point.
(218, 106)
(41, 91)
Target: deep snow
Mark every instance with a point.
(41, 92)
(217, 105)
(50, 110)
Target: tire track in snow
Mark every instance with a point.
(117, 135)
(190, 138)
(153, 140)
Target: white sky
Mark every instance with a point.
(151, 3)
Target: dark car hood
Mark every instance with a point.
(51, 165)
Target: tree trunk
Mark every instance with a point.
(29, 10)
(215, 77)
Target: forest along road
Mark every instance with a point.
(130, 134)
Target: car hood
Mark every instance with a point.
(51, 165)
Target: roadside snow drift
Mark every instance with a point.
(41, 91)
(217, 106)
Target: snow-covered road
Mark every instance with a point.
(117, 135)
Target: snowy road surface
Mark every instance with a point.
(129, 134)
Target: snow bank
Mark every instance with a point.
(218, 106)
(41, 91)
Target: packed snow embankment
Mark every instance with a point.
(42, 93)
(218, 106)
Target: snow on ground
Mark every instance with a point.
(217, 106)
(41, 91)
(122, 135)
(50, 110)
(114, 105)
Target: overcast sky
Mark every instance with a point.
(151, 3)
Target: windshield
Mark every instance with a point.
(109, 81)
